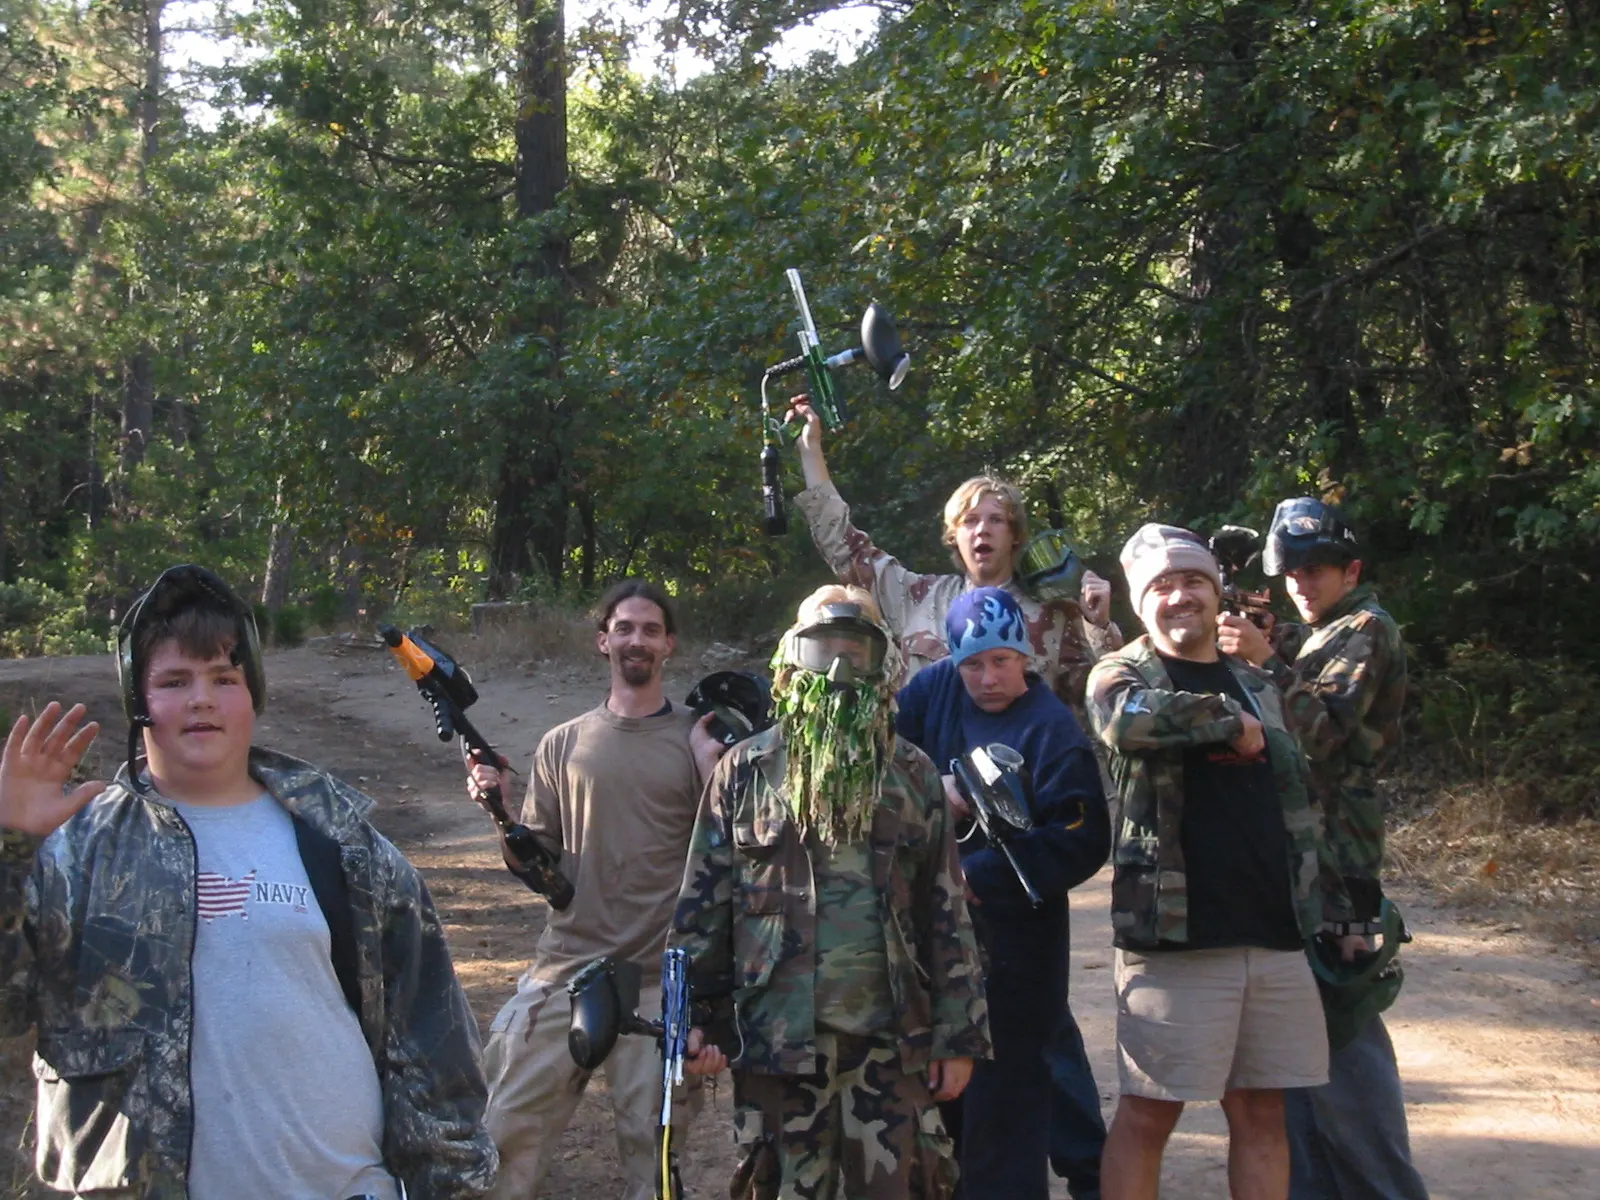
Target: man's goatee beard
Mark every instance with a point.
(838, 742)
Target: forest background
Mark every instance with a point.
(399, 305)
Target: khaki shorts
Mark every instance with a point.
(1193, 1024)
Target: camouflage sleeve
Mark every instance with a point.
(19, 890)
(1326, 710)
(1101, 639)
(1288, 638)
(955, 974)
(702, 923)
(854, 559)
(434, 1092)
(1132, 718)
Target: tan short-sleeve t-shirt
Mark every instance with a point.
(618, 795)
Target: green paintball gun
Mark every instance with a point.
(880, 348)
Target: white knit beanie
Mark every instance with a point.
(1154, 549)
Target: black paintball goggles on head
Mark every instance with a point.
(842, 643)
(1305, 532)
(740, 703)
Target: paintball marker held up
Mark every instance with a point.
(994, 782)
(1236, 547)
(880, 348)
(446, 686)
(604, 1004)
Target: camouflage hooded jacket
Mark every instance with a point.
(97, 926)
(747, 916)
(1350, 669)
(1146, 725)
(914, 605)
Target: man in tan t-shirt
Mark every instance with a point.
(615, 792)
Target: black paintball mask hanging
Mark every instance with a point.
(1305, 532)
(177, 590)
(842, 643)
(1356, 991)
(740, 703)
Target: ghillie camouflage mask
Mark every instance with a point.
(838, 739)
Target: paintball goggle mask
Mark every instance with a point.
(1305, 532)
(841, 642)
(1049, 568)
(1354, 992)
(740, 703)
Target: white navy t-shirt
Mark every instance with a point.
(286, 1098)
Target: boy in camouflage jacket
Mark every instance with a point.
(1345, 672)
(101, 910)
(833, 960)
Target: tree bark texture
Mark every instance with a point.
(532, 491)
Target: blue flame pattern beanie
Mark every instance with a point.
(986, 618)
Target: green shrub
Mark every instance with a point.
(36, 619)
(289, 626)
(1527, 725)
(324, 606)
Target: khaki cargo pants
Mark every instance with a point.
(860, 1121)
(535, 1087)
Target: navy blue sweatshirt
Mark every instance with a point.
(1071, 837)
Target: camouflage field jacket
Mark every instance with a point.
(97, 926)
(747, 916)
(1351, 672)
(1146, 725)
(1065, 645)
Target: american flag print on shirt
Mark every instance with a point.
(222, 897)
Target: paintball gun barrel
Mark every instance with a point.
(446, 686)
(994, 782)
(1236, 547)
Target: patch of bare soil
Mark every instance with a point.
(1498, 1032)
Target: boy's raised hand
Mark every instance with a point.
(39, 759)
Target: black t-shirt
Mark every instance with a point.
(1235, 847)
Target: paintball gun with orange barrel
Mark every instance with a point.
(445, 685)
(1236, 548)
(880, 348)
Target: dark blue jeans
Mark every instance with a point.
(1077, 1130)
(1348, 1139)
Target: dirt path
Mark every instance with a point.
(1498, 1034)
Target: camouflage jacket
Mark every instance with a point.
(97, 926)
(1351, 672)
(1146, 725)
(1065, 645)
(747, 916)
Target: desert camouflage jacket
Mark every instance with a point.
(1065, 645)
(1351, 672)
(1146, 725)
(747, 916)
(97, 926)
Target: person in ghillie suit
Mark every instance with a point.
(1344, 670)
(833, 961)
(239, 987)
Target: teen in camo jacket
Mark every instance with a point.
(96, 928)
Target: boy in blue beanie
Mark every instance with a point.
(983, 694)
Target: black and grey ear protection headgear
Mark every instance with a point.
(176, 589)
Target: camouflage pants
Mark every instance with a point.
(860, 1117)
